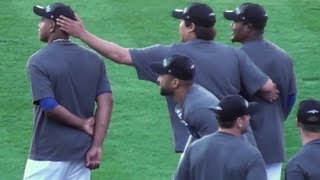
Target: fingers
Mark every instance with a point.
(92, 164)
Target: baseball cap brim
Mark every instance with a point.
(230, 15)
(178, 14)
(158, 68)
(40, 11)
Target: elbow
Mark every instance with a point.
(268, 86)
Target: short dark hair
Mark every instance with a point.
(260, 30)
(226, 124)
(204, 33)
(310, 128)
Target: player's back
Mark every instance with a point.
(276, 63)
(74, 73)
(222, 69)
(305, 164)
(223, 156)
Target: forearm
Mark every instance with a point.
(102, 118)
(108, 49)
(267, 87)
(61, 114)
(269, 91)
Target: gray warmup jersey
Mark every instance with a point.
(74, 76)
(221, 69)
(267, 124)
(221, 156)
(197, 110)
(305, 164)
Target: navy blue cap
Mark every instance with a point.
(234, 106)
(251, 13)
(54, 10)
(178, 66)
(309, 112)
(198, 13)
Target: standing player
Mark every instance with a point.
(194, 103)
(249, 21)
(305, 164)
(66, 80)
(222, 69)
(224, 155)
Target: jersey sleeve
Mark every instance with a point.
(41, 86)
(256, 169)
(292, 85)
(203, 121)
(142, 58)
(183, 170)
(103, 83)
(252, 77)
(294, 172)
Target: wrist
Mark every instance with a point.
(83, 35)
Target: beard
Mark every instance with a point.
(166, 92)
(234, 38)
(243, 131)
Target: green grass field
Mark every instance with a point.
(139, 144)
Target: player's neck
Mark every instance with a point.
(232, 131)
(180, 94)
(253, 38)
(57, 36)
(309, 136)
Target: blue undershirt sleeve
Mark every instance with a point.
(291, 99)
(48, 104)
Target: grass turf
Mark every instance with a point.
(139, 143)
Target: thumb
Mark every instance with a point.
(77, 17)
(87, 163)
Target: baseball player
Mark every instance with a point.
(66, 81)
(305, 164)
(248, 23)
(223, 154)
(222, 69)
(194, 103)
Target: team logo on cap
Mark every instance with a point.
(238, 11)
(185, 10)
(48, 9)
(165, 63)
(212, 14)
(313, 111)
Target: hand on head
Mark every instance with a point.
(73, 28)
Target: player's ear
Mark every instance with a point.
(175, 83)
(249, 26)
(192, 27)
(239, 122)
(52, 26)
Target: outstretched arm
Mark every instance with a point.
(108, 49)
(102, 117)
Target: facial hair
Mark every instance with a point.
(166, 92)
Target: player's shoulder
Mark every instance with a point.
(40, 54)
(89, 53)
(277, 48)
